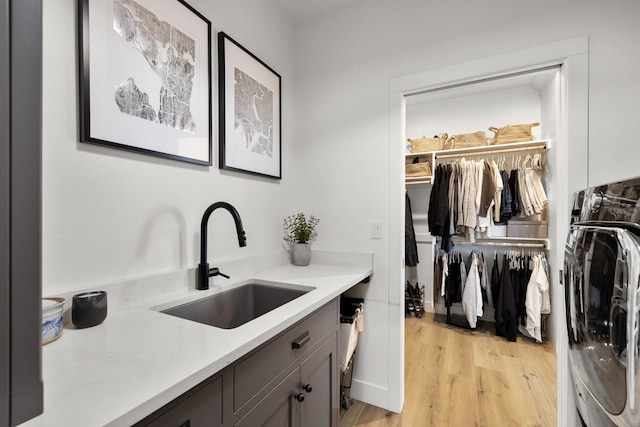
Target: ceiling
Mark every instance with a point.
(303, 10)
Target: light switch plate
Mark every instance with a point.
(375, 230)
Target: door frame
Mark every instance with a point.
(572, 57)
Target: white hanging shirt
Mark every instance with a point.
(536, 303)
(472, 294)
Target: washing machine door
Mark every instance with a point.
(602, 266)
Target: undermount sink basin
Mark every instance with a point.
(237, 306)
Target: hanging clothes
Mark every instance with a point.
(472, 294)
(495, 282)
(454, 280)
(497, 198)
(487, 297)
(506, 202)
(537, 301)
(445, 273)
(505, 315)
(410, 245)
(515, 193)
(532, 194)
(438, 271)
(468, 196)
(439, 201)
(488, 190)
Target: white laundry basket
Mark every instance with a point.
(351, 324)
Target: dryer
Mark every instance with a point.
(602, 301)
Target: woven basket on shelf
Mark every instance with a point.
(424, 144)
(467, 140)
(418, 169)
(513, 133)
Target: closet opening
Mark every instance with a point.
(530, 96)
(517, 247)
(563, 101)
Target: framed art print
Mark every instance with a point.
(250, 111)
(145, 78)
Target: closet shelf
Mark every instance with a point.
(434, 156)
(485, 149)
(515, 242)
(418, 180)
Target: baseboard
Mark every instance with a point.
(370, 393)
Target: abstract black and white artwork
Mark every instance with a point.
(249, 112)
(146, 78)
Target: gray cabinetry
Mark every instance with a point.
(292, 380)
(320, 386)
(199, 407)
(308, 395)
(278, 408)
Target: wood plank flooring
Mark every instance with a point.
(461, 378)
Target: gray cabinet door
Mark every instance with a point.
(201, 407)
(319, 373)
(279, 408)
(252, 374)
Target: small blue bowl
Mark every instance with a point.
(51, 327)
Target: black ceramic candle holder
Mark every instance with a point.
(89, 309)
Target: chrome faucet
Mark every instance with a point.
(204, 272)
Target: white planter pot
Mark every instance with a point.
(301, 254)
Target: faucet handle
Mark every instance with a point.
(215, 271)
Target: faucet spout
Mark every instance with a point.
(203, 268)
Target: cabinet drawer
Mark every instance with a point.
(256, 371)
(198, 408)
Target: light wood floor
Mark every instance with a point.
(460, 378)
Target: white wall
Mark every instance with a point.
(473, 112)
(344, 63)
(110, 214)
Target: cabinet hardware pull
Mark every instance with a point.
(186, 424)
(301, 340)
(300, 397)
(307, 388)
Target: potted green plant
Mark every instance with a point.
(300, 232)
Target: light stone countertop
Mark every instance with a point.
(139, 359)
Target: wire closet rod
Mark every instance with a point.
(504, 244)
(489, 153)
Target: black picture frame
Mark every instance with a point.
(146, 91)
(250, 134)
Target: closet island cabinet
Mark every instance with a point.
(291, 380)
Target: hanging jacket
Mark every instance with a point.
(488, 189)
(515, 193)
(410, 245)
(505, 315)
(506, 202)
(438, 213)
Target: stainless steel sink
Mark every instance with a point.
(237, 306)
